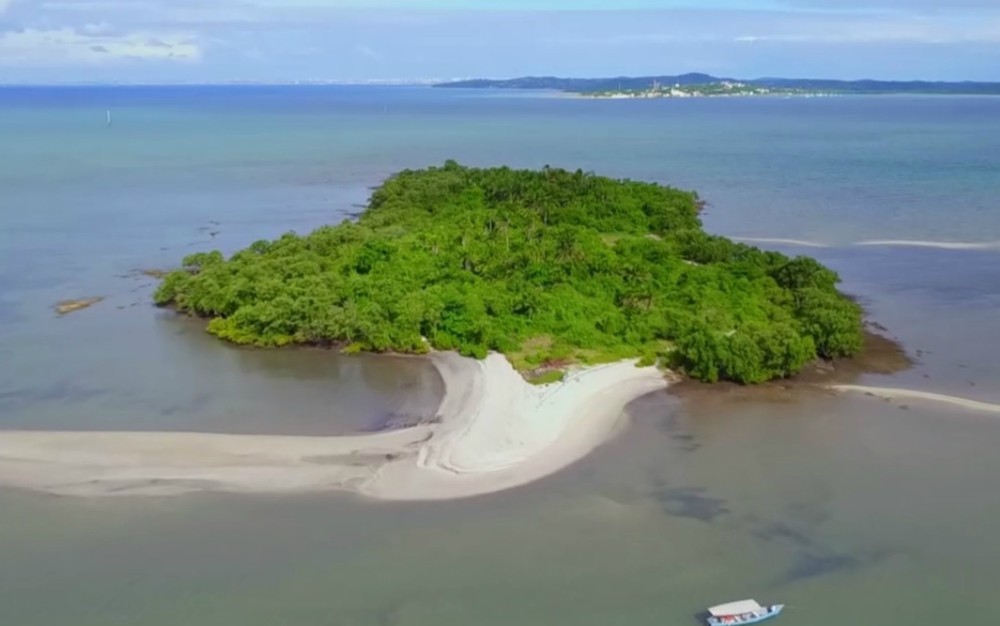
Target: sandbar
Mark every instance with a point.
(492, 431)
(65, 307)
(890, 393)
(781, 241)
(944, 245)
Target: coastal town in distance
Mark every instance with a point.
(718, 89)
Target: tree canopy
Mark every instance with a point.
(546, 266)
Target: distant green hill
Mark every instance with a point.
(626, 83)
(581, 85)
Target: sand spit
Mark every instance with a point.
(779, 241)
(888, 393)
(65, 307)
(901, 243)
(944, 245)
(494, 431)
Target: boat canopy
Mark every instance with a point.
(735, 608)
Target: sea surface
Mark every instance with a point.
(850, 509)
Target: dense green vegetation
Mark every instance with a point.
(548, 267)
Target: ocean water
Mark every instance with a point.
(850, 509)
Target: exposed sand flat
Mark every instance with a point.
(946, 245)
(66, 307)
(896, 394)
(494, 431)
(786, 242)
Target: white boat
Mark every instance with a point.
(742, 612)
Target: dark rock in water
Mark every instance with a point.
(153, 273)
(814, 564)
(691, 502)
(399, 421)
(394, 422)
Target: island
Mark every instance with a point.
(547, 300)
(550, 268)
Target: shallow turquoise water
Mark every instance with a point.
(849, 509)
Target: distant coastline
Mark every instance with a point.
(721, 89)
(706, 85)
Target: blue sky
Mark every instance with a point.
(283, 40)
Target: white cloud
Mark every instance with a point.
(91, 44)
(290, 39)
(873, 30)
(898, 5)
(368, 53)
(96, 29)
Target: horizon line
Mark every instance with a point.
(388, 82)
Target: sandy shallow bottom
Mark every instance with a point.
(493, 431)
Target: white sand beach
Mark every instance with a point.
(492, 431)
(889, 393)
